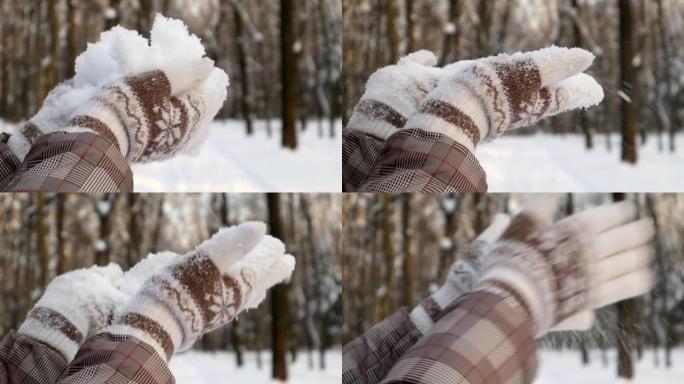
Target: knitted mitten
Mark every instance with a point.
(463, 276)
(393, 93)
(49, 118)
(585, 261)
(154, 115)
(205, 289)
(505, 92)
(74, 306)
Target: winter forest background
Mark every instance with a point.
(284, 63)
(630, 140)
(295, 332)
(398, 249)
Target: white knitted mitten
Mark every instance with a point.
(154, 115)
(463, 276)
(74, 306)
(586, 261)
(483, 98)
(205, 289)
(393, 93)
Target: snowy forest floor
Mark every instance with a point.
(196, 367)
(555, 163)
(565, 367)
(230, 161)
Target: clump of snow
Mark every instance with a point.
(122, 52)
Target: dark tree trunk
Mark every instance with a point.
(290, 73)
(241, 44)
(407, 265)
(628, 76)
(279, 306)
(451, 38)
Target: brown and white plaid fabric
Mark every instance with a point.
(484, 337)
(8, 162)
(103, 358)
(24, 360)
(368, 358)
(414, 160)
(69, 162)
(359, 152)
(107, 358)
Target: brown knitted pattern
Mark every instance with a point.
(96, 126)
(152, 328)
(54, 319)
(454, 116)
(380, 111)
(563, 252)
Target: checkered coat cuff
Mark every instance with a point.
(414, 160)
(68, 162)
(368, 358)
(483, 339)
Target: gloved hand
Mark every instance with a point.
(462, 278)
(585, 261)
(154, 115)
(484, 98)
(205, 289)
(393, 93)
(50, 118)
(74, 306)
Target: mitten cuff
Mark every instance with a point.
(380, 116)
(153, 323)
(103, 121)
(61, 330)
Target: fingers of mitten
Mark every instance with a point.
(542, 206)
(275, 269)
(623, 263)
(495, 229)
(579, 91)
(556, 64)
(112, 273)
(421, 57)
(623, 238)
(186, 77)
(230, 244)
(604, 217)
(627, 286)
(581, 321)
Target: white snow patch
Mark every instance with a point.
(196, 367)
(554, 163)
(231, 161)
(565, 367)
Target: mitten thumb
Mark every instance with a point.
(230, 244)
(188, 76)
(422, 57)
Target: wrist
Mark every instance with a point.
(63, 329)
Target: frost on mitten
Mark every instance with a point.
(205, 289)
(393, 93)
(154, 115)
(499, 93)
(588, 260)
(74, 306)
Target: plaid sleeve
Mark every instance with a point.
(72, 162)
(24, 360)
(486, 337)
(359, 152)
(368, 358)
(115, 359)
(8, 162)
(414, 160)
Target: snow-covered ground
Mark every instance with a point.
(230, 161)
(565, 367)
(554, 163)
(212, 368)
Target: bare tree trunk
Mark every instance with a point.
(279, 305)
(391, 15)
(387, 299)
(290, 73)
(73, 39)
(410, 26)
(451, 34)
(62, 261)
(42, 240)
(581, 116)
(630, 118)
(115, 18)
(626, 318)
(241, 44)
